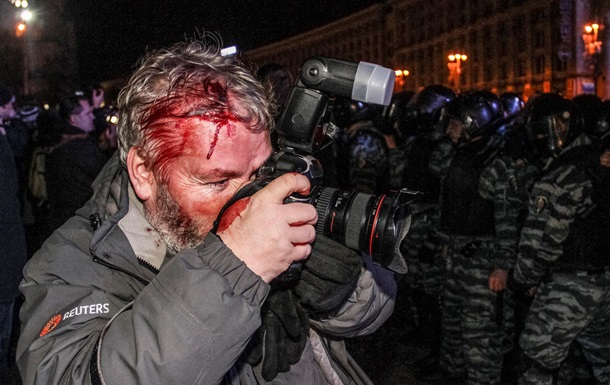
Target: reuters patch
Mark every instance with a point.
(52, 324)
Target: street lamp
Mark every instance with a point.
(19, 3)
(455, 68)
(20, 28)
(593, 49)
(401, 78)
(26, 16)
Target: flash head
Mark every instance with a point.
(321, 78)
(364, 82)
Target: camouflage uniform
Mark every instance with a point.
(507, 182)
(471, 339)
(397, 160)
(422, 246)
(441, 157)
(570, 304)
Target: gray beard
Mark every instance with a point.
(178, 231)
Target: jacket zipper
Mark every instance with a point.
(115, 267)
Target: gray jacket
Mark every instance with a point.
(105, 304)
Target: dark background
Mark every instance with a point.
(113, 34)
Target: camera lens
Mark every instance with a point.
(373, 224)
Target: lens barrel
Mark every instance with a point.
(373, 224)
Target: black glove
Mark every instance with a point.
(281, 338)
(328, 277)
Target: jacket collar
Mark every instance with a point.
(146, 242)
(123, 222)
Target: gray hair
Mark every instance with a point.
(188, 79)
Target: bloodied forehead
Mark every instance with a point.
(200, 118)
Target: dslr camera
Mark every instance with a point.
(375, 225)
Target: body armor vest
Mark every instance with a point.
(417, 175)
(587, 246)
(463, 210)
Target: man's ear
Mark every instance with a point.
(142, 179)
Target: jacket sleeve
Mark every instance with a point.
(495, 185)
(188, 326)
(367, 308)
(555, 204)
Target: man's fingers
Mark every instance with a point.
(283, 186)
(301, 251)
(302, 234)
(300, 214)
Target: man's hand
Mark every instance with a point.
(497, 280)
(267, 234)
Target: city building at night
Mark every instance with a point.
(525, 46)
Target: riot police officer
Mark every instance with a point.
(471, 340)
(563, 254)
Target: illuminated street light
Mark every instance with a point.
(19, 3)
(455, 68)
(593, 44)
(593, 49)
(401, 78)
(20, 29)
(26, 15)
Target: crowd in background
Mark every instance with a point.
(509, 271)
(51, 156)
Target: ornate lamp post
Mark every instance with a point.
(455, 68)
(593, 49)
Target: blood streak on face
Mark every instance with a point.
(230, 130)
(167, 124)
(231, 213)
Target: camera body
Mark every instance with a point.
(375, 225)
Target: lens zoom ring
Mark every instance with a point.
(355, 221)
(322, 205)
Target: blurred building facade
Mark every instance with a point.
(525, 46)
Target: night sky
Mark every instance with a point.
(113, 34)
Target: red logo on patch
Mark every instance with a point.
(50, 325)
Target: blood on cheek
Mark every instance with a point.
(232, 213)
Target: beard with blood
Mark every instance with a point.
(178, 230)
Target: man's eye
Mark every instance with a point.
(218, 184)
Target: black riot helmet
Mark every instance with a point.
(552, 122)
(424, 107)
(601, 125)
(479, 113)
(396, 117)
(511, 103)
(590, 106)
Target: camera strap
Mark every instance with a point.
(246, 191)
